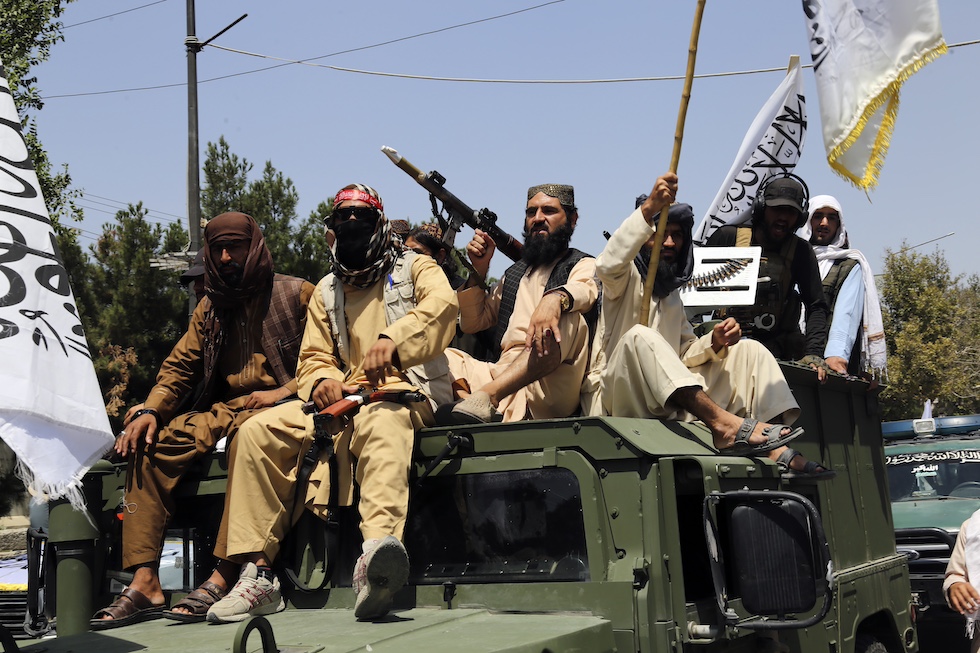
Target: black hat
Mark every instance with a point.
(785, 191)
(196, 270)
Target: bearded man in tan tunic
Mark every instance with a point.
(540, 310)
(241, 346)
(662, 370)
(381, 319)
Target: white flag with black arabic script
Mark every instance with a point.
(863, 51)
(771, 146)
(51, 410)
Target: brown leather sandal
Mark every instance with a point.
(130, 607)
(197, 603)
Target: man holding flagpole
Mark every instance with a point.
(856, 339)
(243, 345)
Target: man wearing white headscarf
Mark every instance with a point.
(856, 341)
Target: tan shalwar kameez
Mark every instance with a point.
(557, 394)
(242, 368)
(375, 450)
(637, 368)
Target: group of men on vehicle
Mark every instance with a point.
(260, 344)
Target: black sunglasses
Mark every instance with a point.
(365, 213)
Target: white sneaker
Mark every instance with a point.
(252, 595)
(380, 572)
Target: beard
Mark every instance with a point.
(353, 240)
(232, 274)
(541, 249)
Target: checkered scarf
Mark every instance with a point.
(382, 248)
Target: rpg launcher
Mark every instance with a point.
(459, 212)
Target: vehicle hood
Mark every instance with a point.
(431, 630)
(945, 512)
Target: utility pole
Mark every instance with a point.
(194, 46)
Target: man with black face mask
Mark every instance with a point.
(662, 370)
(380, 319)
(542, 309)
(241, 349)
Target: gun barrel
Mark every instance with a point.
(458, 209)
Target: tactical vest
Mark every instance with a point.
(558, 277)
(832, 284)
(432, 377)
(775, 316)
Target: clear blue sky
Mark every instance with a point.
(324, 128)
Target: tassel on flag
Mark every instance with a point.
(51, 410)
(862, 51)
(771, 146)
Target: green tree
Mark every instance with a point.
(297, 248)
(927, 329)
(142, 307)
(225, 180)
(30, 29)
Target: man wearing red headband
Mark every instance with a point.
(381, 319)
(540, 313)
(241, 347)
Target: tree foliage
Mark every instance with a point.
(141, 308)
(931, 334)
(297, 247)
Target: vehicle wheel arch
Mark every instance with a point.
(879, 627)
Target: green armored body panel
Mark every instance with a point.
(580, 534)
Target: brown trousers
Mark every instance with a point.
(153, 475)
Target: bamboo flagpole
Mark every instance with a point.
(692, 53)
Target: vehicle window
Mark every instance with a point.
(498, 527)
(934, 474)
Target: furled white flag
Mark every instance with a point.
(51, 410)
(862, 51)
(771, 146)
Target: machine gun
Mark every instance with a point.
(459, 212)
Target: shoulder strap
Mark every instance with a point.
(743, 236)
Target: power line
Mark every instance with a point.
(471, 80)
(126, 11)
(125, 205)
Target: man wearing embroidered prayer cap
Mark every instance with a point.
(660, 369)
(241, 348)
(856, 339)
(380, 319)
(542, 311)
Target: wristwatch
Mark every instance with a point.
(564, 299)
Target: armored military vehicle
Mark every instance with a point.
(934, 480)
(579, 534)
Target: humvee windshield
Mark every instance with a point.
(934, 475)
(498, 527)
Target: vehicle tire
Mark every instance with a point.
(869, 644)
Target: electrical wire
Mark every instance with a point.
(125, 11)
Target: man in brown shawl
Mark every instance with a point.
(242, 345)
